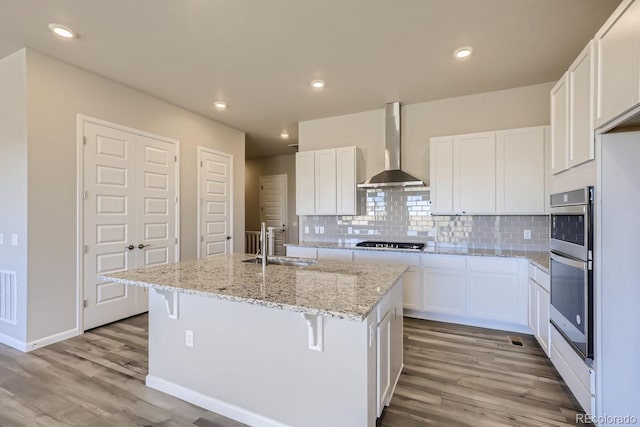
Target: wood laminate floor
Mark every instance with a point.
(453, 376)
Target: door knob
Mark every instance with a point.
(141, 246)
(228, 237)
(130, 247)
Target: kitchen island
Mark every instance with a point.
(305, 346)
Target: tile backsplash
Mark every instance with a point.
(404, 214)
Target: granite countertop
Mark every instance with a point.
(343, 290)
(539, 258)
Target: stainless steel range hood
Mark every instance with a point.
(392, 175)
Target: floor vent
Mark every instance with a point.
(8, 296)
(516, 341)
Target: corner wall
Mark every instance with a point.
(13, 186)
(57, 93)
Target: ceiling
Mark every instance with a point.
(260, 55)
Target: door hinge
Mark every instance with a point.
(84, 140)
(175, 240)
(85, 195)
(85, 303)
(175, 159)
(201, 163)
(86, 249)
(202, 238)
(176, 199)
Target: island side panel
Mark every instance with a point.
(252, 363)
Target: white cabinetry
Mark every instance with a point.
(581, 98)
(474, 166)
(495, 291)
(412, 289)
(539, 305)
(302, 252)
(572, 136)
(559, 122)
(484, 173)
(305, 183)
(520, 162)
(326, 182)
(384, 361)
(618, 50)
(441, 173)
(444, 284)
(473, 290)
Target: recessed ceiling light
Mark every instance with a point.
(220, 105)
(284, 134)
(62, 31)
(463, 52)
(317, 84)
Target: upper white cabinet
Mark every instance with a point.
(572, 135)
(559, 128)
(305, 183)
(618, 51)
(474, 166)
(326, 182)
(441, 171)
(581, 95)
(520, 162)
(485, 173)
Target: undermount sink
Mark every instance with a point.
(290, 262)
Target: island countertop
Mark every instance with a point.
(343, 290)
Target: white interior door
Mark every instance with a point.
(273, 208)
(129, 184)
(215, 182)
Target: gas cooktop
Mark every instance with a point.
(404, 246)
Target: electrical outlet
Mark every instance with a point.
(321, 229)
(14, 240)
(527, 234)
(349, 230)
(1, 238)
(306, 229)
(317, 229)
(188, 338)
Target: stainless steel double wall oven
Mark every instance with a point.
(571, 243)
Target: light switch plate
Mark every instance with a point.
(527, 234)
(1, 238)
(14, 239)
(188, 338)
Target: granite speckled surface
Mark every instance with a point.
(342, 290)
(539, 258)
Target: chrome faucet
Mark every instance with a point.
(263, 244)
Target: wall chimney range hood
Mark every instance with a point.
(392, 175)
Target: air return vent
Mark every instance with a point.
(8, 296)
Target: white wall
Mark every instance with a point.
(13, 180)
(505, 109)
(57, 92)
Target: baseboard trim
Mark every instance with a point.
(51, 339)
(395, 384)
(12, 342)
(460, 320)
(211, 404)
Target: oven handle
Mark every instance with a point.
(582, 265)
(572, 210)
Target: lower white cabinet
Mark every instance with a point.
(444, 291)
(412, 289)
(493, 296)
(302, 252)
(474, 290)
(539, 306)
(335, 254)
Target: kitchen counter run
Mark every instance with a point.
(540, 258)
(342, 290)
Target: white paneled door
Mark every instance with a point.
(273, 208)
(215, 178)
(129, 216)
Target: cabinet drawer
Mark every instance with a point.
(539, 276)
(386, 257)
(444, 261)
(577, 375)
(302, 252)
(335, 254)
(492, 265)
